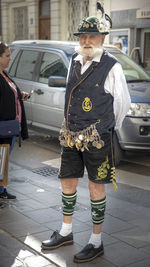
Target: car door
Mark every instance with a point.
(22, 71)
(48, 105)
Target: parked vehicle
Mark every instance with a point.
(41, 67)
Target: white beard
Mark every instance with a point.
(90, 52)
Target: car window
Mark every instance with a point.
(12, 49)
(132, 71)
(52, 65)
(26, 64)
(12, 71)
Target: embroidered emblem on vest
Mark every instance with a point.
(87, 104)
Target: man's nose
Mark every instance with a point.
(87, 40)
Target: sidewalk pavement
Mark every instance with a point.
(36, 213)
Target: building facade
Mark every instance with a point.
(131, 26)
(42, 19)
(58, 19)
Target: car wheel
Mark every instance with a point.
(118, 152)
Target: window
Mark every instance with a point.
(77, 10)
(21, 23)
(132, 71)
(12, 71)
(45, 8)
(26, 64)
(44, 19)
(52, 65)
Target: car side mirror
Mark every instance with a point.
(56, 81)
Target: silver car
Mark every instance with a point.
(40, 68)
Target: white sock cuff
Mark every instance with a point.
(67, 225)
(95, 240)
(66, 229)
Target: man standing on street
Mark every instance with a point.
(96, 102)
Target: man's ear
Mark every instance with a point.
(102, 38)
(104, 35)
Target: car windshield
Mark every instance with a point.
(132, 71)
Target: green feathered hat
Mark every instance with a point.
(100, 24)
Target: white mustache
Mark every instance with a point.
(89, 50)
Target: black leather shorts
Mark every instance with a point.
(98, 162)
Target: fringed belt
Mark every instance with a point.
(82, 139)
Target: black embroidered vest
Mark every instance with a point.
(86, 101)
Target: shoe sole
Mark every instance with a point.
(66, 243)
(89, 259)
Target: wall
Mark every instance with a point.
(117, 5)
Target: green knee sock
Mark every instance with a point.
(68, 201)
(98, 210)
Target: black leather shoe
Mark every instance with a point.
(89, 253)
(5, 195)
(57, 240)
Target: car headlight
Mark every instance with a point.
(139, 110)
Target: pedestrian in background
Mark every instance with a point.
(11, 105)
(96, 102)
(118, 45)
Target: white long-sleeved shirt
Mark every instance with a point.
(116, 85)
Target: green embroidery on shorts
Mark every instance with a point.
(103, 170)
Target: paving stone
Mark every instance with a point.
(143, 222)
(16, 254)
(146, 249)
(23, 227)
(113, 225)
(26, 205)
(43, 215)
(136, 237)
(25, 188)
(48, 198)
(143, 263)
(126, 214)
(8, 260)
(9, 214)
(9, 243)
(37, 261)
(122, 254)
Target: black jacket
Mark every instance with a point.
(8, 107)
